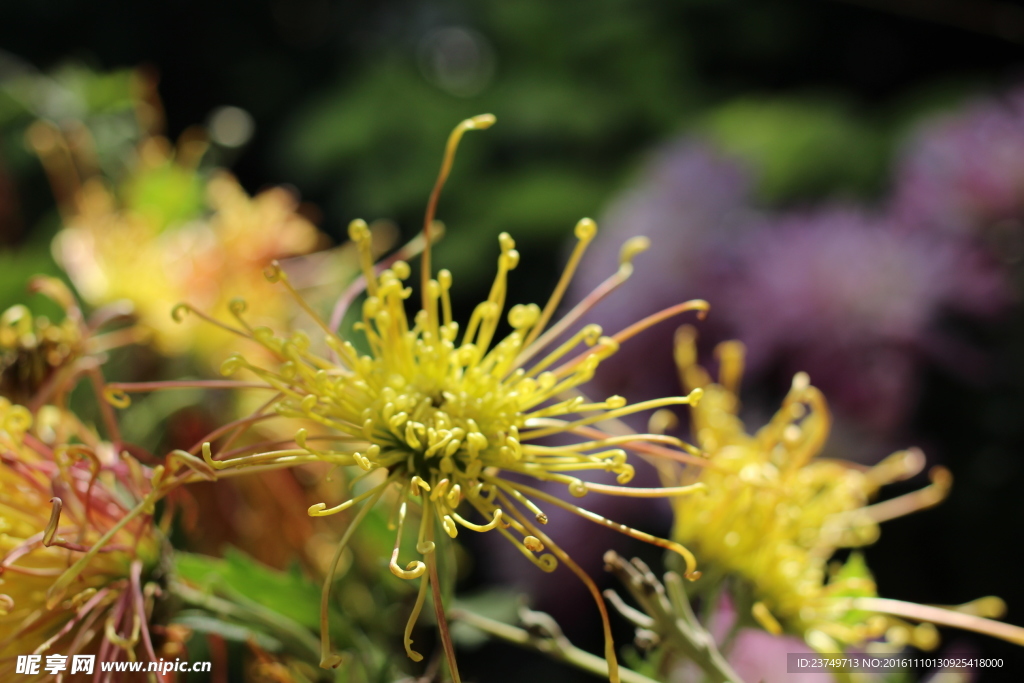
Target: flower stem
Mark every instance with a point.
(668, 614)
(442, 621)
(558, 647)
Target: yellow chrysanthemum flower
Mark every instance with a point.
(774, 515)
(74, 560)
(33, 349)
(442, 414)
(41, 360)
(168, 233)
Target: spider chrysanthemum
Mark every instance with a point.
(449, 421)
(775, 514)
(77, 564)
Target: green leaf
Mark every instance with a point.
(853, 580)
(204, 623)
(288, 593)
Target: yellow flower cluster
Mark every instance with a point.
(41, 360)
(33, 349)
(438, 415)
(64, 507)
(775, 514)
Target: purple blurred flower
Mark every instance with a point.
(964, 170)
(852, 297)
(853, 300)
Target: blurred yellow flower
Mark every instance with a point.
(33, 349)
(167, 233)
(775, 514)
(42, 360)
